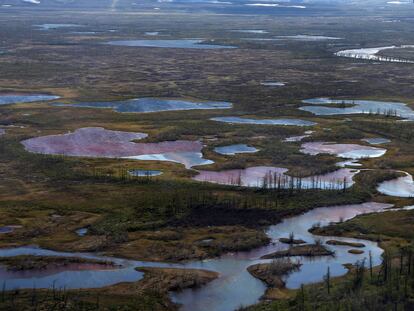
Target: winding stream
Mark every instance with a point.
(235, 286)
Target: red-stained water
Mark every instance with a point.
(275, 177)
(99, 142)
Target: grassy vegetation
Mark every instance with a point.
(272, 274)
(121, 210)
(24, 262)
(171, 218)
(308, 250)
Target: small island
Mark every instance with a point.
(344, 243)
(310, 250)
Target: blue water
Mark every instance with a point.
(376, 140)
(6, 229)
(82, 231)
(7, 99)
(237, 120)
(320, 106)
(152, 105)
(234, 149)
(176, 44)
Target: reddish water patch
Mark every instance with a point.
(275, 177)
(250, 177)
(99, 142)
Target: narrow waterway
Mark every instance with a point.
(235, 286)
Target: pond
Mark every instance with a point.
(376, 140)
(307, 38)
(372, 54)
(399, 187)
(56, 26)
(252, 31)
(152, 33)
(8, 99)
(83, 33)
(144, 173)
(99, 142)
(145, 105)
(8, 229)
(234, 149)
(275, 5)
(348, 151)
(352, 163)
(188, 159)
(293, 139)
(82, 231)
(174, 44)
(320, 106)
(287, 122)
(275, 177)
(272, 83)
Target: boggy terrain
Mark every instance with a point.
(46, 198)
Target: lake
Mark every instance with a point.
(146, 105)
(235, 149)
(320, 106)
(173, 44)
(287, 122)
(102, 143)
(348, 151)
(372, 54)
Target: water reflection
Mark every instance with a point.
(175, 44)
(287, 122)
(145, 105)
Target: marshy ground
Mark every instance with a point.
(171, 217)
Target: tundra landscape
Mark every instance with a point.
(202, 155)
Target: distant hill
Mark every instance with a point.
(226, 6)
